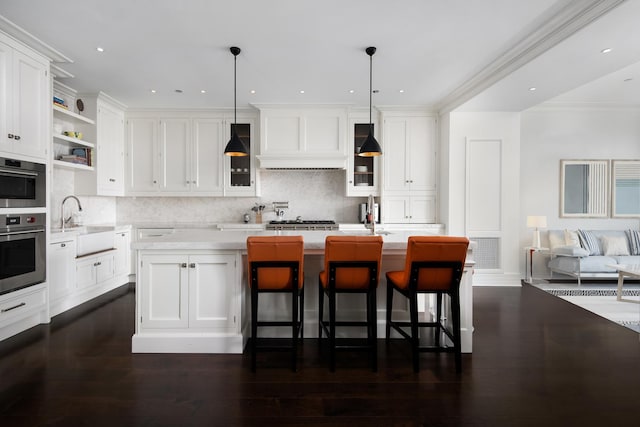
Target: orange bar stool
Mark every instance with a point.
(434, 264)
(276, 265)
(351, 265)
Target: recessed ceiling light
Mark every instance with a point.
(301, 91)
(153, 91)
(607, 50)
(99, 49)
(253, 91)
(351, 91)
(401, 91)
(533, 89)
(203, 91)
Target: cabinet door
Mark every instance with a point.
(31, 100)
(174, 155)
(110, 167)
(6, 117)
(395, 154)
(422, 209)
(421, 153)
(122, 257)
(207, 158)
(239, 175)
(104, 267)
(362, 172)
(211, 282)
(85, 273)
(62, 269)
(142, 156)
(395, 209)
(164, 287)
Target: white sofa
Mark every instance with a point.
(591, 253)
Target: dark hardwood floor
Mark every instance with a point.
(537, 361)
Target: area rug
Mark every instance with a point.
(601, 299)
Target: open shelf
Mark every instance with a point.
(73, 115)
(74, 141)
(71, 166)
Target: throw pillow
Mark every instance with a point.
(590, 242)
(634, 241)
(556, 239)
(615, 245)
(571, 238)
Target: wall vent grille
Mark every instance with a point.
(487, 253)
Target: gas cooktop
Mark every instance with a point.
(306, 224)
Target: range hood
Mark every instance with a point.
(299, 161)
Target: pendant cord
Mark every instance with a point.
(235, 61)
(370, 89)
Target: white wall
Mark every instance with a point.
(550, 134)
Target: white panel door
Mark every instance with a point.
(422, 209)
(211, 279)
(110, 141)
(164, 287)
(174, 155)
(6, 117)
(62, 269)
(421, 154)
(394, 149)
(395, 209)
(122, 257)
(207, 166)
(142, 156)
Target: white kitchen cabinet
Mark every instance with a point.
(122, 256)
(188, 291)
(409, 146)
(107, 176)
(94, 269)
(62, 268)
(25, 97)
(174, 156)
(409, 209)
(303, 137)
(362, 172)
(410, 168)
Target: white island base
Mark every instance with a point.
(192, 295)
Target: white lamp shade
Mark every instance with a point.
(537, 221)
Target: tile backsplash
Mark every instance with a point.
(312, 194)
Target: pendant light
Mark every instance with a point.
(235, 146)
(370, 147)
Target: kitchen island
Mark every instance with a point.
(192, 293)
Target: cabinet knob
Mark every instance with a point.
(183, 265)
(155, 182)
(10, 136)
(17, 137)
(192, 265)
(63, 245)
(112, 180)
(350, 182)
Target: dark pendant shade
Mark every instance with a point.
(370, 147)
(235, 146)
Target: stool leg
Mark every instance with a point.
(320, 312)
(254, 327)
(332, 329)
(457, 344)
(294, 328)
(389, 308)
(415, 339)
(301, 321)
(372, 321)
(438, 317)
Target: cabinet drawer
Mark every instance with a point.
(15, 306)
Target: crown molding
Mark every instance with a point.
(26, 38)
(562, 21)
(581, 106)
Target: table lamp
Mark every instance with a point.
(537, 222)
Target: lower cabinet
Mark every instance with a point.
(188, 302)
(188, 291)
(409, 209)
(94, 269)
(62, 269)
(122, 256)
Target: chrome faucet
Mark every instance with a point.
(62, 220)
(370, 217)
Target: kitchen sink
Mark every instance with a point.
(94, 239)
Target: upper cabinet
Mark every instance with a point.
(25, 97)
(362, 172)
(107, 176)
(303, 137)
(240, 172)
(410, 167)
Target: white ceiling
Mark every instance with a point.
(428, 48)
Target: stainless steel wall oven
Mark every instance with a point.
(22, 251)
(22, 184)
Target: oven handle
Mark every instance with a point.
(17, 172)
(13, 233)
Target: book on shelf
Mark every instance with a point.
(60, 105)
(74, 159)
